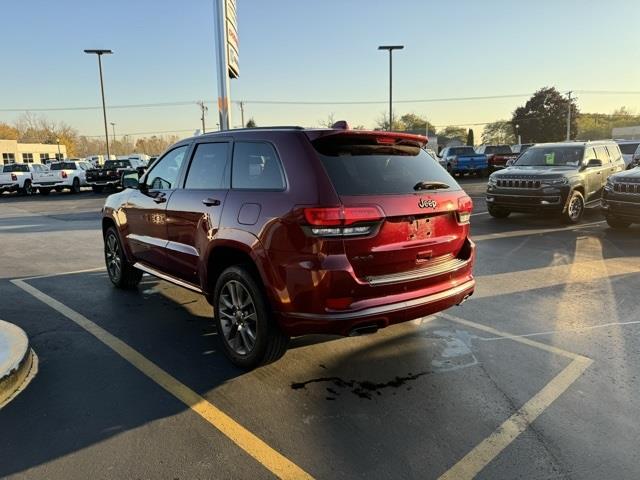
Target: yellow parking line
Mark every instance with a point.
(275, 462)
(483, 453)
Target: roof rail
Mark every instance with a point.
(275, 127)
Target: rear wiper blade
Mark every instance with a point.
(427, 185)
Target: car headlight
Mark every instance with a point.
(493, 181)
(555, 181)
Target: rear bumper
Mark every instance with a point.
(9, 187)
(103, 183)
(396, 299)
(56, 184)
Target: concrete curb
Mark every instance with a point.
(18, 363)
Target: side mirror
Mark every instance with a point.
(131, 179)
(594, 162)
(511, 161)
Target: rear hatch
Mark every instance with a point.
(417, 213)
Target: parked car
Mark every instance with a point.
(290, 231)
(18, 177)
(520, 148)
(111, 173)
(621, 199)
(635, 160)
(69, 175)
(497, 155)
(561, 178)
(628, 149)
(460, 160)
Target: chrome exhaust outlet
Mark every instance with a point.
(466, 297)
(364, 330)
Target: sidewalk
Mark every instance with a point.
(18, 363)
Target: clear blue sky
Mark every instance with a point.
(315, 51)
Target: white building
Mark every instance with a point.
(627, 133)
(14, 152)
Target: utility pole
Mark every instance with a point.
(242, 113)
(391, 48)
(569, 117)
(99, 53)
(113, 129)
(203, 109)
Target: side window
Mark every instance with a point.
(614, 152)
(164, 174)
(602, 154)
(589, 153)
(207, 169)
(256, 166)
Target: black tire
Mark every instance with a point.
(58, 189)
(498, 212)
(44, 191)
(269, 343)
(121, 272)
(617, 223)
(575, 208)
(26, 189)
(97, 188)
(75, 185)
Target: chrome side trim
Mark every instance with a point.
(147, 240)
(168, 278)
(182, 248)
(416, 302)
(439, 268)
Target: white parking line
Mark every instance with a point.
(566, 330)
(479, 213)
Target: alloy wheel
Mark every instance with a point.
(575, 208)
(238, 317)
(112, 257)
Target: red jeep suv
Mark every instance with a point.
(290, 231)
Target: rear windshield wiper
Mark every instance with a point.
(427, 185)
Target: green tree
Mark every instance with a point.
(470, 139)
(452, 133)
(407, 122)
(597, 126)
(544, 117)
(251, 123)
(498, 132)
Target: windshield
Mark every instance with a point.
(360, 168)
(628, 148)
(498, 149)
(462, 151)
(566, 156)
(117, 164)
(63, 166)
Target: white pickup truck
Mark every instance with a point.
(18, 177)
(65, 175)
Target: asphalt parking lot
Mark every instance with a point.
(537, 376)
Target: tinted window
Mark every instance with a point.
(614, 153)
(63, 166)
(16, 167)
(256, 166)
(117, 164)
(165, 173)
(499, 149)
(207, 169)
(461, 151)
(628, 148)
(357, 167)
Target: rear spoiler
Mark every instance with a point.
(382, 137)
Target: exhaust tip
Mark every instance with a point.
(364, 330)
(465, 298)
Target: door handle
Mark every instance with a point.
(160, 199)
(211, 202)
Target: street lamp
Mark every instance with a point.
(518, 134)
(113, 129)
(99, 54)
(390, 48)
(58, 142)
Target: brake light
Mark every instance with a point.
(14, 177)
(341, 221)
(465, 207)
(63, 174)
(385, 140)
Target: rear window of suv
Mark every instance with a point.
(361, 166)
(628, 148)
(499, 149)
(63, 166)
(16, 167)
(117, 164)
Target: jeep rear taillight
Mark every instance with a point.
(342, 221)
(465, 207)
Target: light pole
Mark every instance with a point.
(113, 129)
(58, 142)
(99, 54)
(390, 48)
(518, 134)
